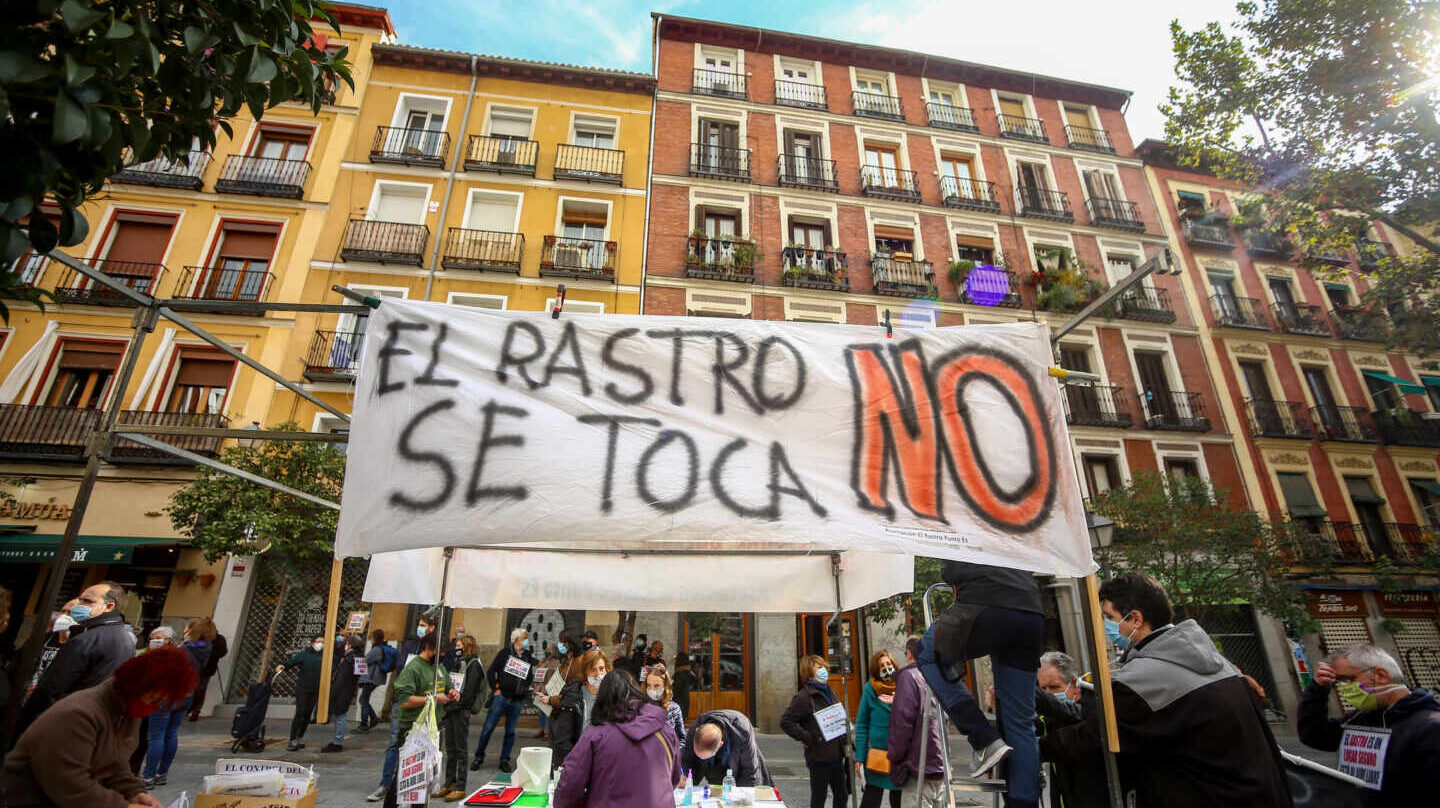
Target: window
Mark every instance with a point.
(202, 378)
(720, 147)
(1432, 391)
(881, 166)
(1102, 185)
(404, 204)
(582, 236)
(973, 248)
(718, 62)
(720, 225)
(809, 234)
(1033, 183)
(1382, 393)
(872, 95)
(576, 306)
(139, 238)
(1367, 505)
(1338, 294)
(1191, 205)
(275, 143)
(872, 84)
(495, 212)
(802, 156)
(1102, 473)
(83, 373)
(1257, 384)
(1283, 294)
(1300, 500)
(1222, 288)
(597, 133)
(957, 175)
(1155, 387)
(1012, 107)
(897, 242)
(1427, 497)
(242, 262)
(495, 302)
(1182, 468)
(1119, 267)
(510, 123)
(942, 97)
(796, 72)
(1077, 116)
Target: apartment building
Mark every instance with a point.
(806, 179)
(1338, 431)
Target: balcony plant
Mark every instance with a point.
(960, 270)
(745, 253)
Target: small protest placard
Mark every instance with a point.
(515, 666)
(1362, 754)
(833, 721)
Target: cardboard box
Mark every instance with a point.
(227, 801)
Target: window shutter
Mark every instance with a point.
(888, 231)
(572, 216)
(1299, 497)
(509, 124)
(242, 244)
(204, 372)
(974, 241)
(84, 355)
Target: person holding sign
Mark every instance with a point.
(817, 719)
(455, 725)
(509, 678)
(1390, 736)
(344, 681)
(420, 680)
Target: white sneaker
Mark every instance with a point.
(983, 760)
(376, 795)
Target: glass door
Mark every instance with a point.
(718, 644)
(839, 644)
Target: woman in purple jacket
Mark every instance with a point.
(628, 757)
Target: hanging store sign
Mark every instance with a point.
(1408, 604)
(43, 552)
(1337, 604)
(477, 427)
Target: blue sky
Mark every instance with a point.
(1120, 43)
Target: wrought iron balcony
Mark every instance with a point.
(589, 163)
(416, 147)
(1366, 542)
(1098, 405)
(1239, 312)
(125, 451)
(1370, 253)
(1331, 257)
(722, 83)
(1174, 411)
(334, 355)
(1264, 244)
(1216, 236)
(808, 268)
(1039, 203)
(969, 194)
(800, 94)
(720, 162)
(889, 183)
(1087, 139)
(720, 259)
(949, 116)
(1115, 213)
(221, 283)
(902, 278)
(493, 250)
(1021, 128)
(1407, 541)
(1278, 419)
(168, 173)
(1354, 322)
(807, 172)
(1011, 300)
(263, 176)
(385, 242)
(1147, 304)
(62, 433)
(503, 155)
(1404, 427)
(877, 105)
(1296, 318)
(142, 276)
(1345, 540)
(1352, 424)
(580, 258)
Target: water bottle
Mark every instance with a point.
(689, 789)
(727, 786)
(554, 781)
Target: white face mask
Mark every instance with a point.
(656, 694)
(594, 681)
(319, 646)
(156, 643)
(63, 623)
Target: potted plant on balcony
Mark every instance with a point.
(959, 271)
(696, 243)
(745, 254)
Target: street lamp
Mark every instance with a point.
(1102, 530)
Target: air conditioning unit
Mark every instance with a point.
(712, 303)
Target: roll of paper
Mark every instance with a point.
(532, 770)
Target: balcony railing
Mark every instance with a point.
(562, 257)
(722, 162)
(142, 276)
(800, 94)
(1216, 236)
(1087, 139)
(1353, 424)
(1263, 244)
(1407, 541)
(1011, 300)
(1278, 419)
(161, 171)
(220, 283)
(1040, 203)
(1098, 405)
(1346, 542)
(334, 355)
(417, 147)
(807, 172)
(1022, 128)
(971, 194)
(902, 278)
(723, 83)
(62, 433)
(1239, 312)
(720, 259)
(1371, 253)
(1147, 304)
(1116, 213)
(1334, 258)
(385, 242)
(503, 155)
(1405, 427)
(949, 116)
(809, 268)
(1353, 322)
(889, 183)
(1366, 542)
(493, 250)
(125, 451)
(1174, 410)
(589, 163)
(1297, 318)
(263, 176)
(877, 105)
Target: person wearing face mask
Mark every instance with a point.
(629, 758)
(550, 665)
(509, 677)
(307, 688)
(1061, 702)
(164, 725)
(827, 759)
(77, 752)
(1191, 730)
(658, 690)
(344, 682)
(60, 624)
(1372, 687)
(99, 643)
(654, 655)
(589, 641)
(570, 713)
(872, 732)
(455, 723)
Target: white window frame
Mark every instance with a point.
(889, 219)
(1131, 250)
(817, 79)
(1026, 100)
(1197, 455)
(898, 140)
(725, 114)
(380, 185)
(957, 89)
(808, 210)
(959, 226)
(581, 120)
(402, 110)
(490, 109)
(559, 229)
(736, 54)
(454, 298)
(1091, 113)
(518, 197)
(1101, 451)
(884, 76)
(1173, 379)
(573, 306)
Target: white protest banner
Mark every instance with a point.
(832, 721)
(1362, 754)
(483, 428)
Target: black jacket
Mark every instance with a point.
(343, 683)
(799, 722)
(1412, 760)
(511, 686)
(993, 586)
(1080, 784)
(95, 649)
(218, 649)
(1192, 733)
(740, 752)
(566, 720)
(683, 682)
(472, 686)
(308, 661)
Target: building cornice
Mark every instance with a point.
(500, 67)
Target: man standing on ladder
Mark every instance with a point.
(997, 612)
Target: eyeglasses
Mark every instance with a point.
(1352, 677)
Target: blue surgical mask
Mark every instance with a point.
(822, 675)
(525, 644)
(1112, 633)
(420, 632)
(80, 612)
(560, 648)
(1063, 697)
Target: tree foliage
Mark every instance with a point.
(1328, 110)
(908, 607)
(89, 86)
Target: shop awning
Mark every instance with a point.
(1430, 381)
(1299, 497)
(40, 549)
(1433, 488)
(1405, 387)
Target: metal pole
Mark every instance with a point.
(100, 441)
(332, 605)
(229, 469)
(1103, 692)
(845, 684)
(926, 712)
(441, 675)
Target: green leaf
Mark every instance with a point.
(194, 39)
(71, 123)
(262, 68)
(246, 38)
(76, 73)
(43, 235)
(80, 16)
(74, 227)
(120, 30)
(18, 68)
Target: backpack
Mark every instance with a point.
(388, 658)
(248, 726)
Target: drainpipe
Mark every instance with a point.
(450, 179)
(650, 161)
